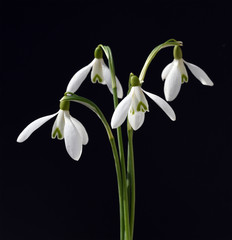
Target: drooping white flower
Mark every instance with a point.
(100, 73)
(134, 106)
(175, 74)
(65, 127)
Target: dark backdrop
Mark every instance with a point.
(183, 168)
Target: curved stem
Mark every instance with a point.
(92, 106)
(169, 43)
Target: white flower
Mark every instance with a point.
(100, 73)
(175, 74)
(65, 126)
(134, 105)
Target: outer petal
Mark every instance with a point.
(25, 134)
(199, 74)
(78, 78)
(172, 83)
(121, 111)
(136, 119)
(81, 129)
(163, 105)
(166, 70)
(108, 81)
(72, 138)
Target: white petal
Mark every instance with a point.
(121, 111)
(78, 78)
(172, 83)
(97, 72)
(166, 70)
(72, 138)
(199, 74)
(58, 126)
(25, 134)
(81, 129)
(108, 81)
(119, 88)
(136, 119)
(163, 105)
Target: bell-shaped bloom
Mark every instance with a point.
(134, 106)
(175, 74)
(65, 127)
(100, 73)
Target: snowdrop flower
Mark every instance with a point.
(100, 73)
(175, 74)
(65, 127)
(134, 106)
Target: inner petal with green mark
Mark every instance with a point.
(184, 78)
(57, 133)
(97, 78)
(141, 107)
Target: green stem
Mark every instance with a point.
(91, 105)
(126, 230)
(169, 43)
(131, 178)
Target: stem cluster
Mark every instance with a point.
(125, 170)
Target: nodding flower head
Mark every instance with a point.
(65, 127)
(100, 73)
(135, 105)
(175, 74)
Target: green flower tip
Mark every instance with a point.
(177, 52)
(98, 53)
(134, 80)
(65, 105)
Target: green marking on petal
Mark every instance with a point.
(184, 78)
(132, 111)
(141, 107)
(97, 78)
(57, 133)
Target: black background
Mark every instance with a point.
(183, 168)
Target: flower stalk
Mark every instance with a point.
(169, 43)
(131, 178)
(92, 106)
(126, 219)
